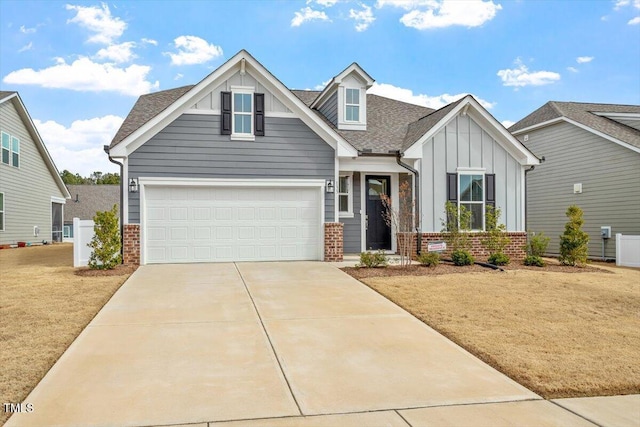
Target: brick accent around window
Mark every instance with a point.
(515, 250)
(333, 241)
(131, 244)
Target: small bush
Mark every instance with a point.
(429, 259)
(533, 260)
(537, 244)
(373, 259)
(574, 241)
(105, 245)
(499, 259)
(462, 257)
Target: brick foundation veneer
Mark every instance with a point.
(131, 244)
(515, 250)
(333, 247)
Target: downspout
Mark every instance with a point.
(416, 197)
(122, 192)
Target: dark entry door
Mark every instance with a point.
(378, 232)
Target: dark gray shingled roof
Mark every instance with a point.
(387, 122)
(422, 126)
(91, 199)
(583, 114)
(146, 108)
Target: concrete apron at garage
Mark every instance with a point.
(249, 341)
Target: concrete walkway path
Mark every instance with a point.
(282, 344)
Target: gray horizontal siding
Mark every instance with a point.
(330, 109)
(634, 123)
(352, 232)
(192, 147)
(610, 178)
(27, 189)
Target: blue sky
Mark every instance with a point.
(80, 66)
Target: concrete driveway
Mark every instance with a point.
(269, 343)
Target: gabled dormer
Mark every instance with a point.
(344, 100)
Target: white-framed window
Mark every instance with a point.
(352, 105)
(1, 211)
(345, 195)
(242, 114)
(10, 146)
(471, 196)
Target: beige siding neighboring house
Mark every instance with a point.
(32, 195)
(85, 201)
(592, 159)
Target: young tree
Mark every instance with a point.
(106, 240)
(402, 220)
(574, 241)
(495, 239)
(456, 227)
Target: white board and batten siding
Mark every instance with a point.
(238, 223)
(463, 144)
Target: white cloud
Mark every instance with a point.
(424, 14)
(584, 59)
(307, 14)
(25, 30)
(150, 41)
(178, 76)
(98, 20)
(325, 3)
(117, 52)
(634, 21)
(322, 85)
(363, 17)
(78, 148)
(85, 75)
(572, 69)
(407, 95)
(521, 76)
(507, 123)
(193, 50)
(26, 47)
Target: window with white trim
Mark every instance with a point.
(352, 105)
(242, 113)
(345, 195)
(10, 146)
(1, 211)
(471, 197)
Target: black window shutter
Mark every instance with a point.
(452, 187)
(225, 107)
(258, 114)
(490, 191)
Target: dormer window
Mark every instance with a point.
(352, 104)
(242, 113)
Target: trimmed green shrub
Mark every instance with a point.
(462, 257)
(373, 259)
(537, 244)
(574, 241)
(533, 260)
(106, 241)
(429, 259)
(499, 259)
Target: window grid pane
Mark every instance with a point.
(16, 160)
(471, 188)
(15, 145)
(5, 156)
(343, 186)
(5, 140)
(343, 200)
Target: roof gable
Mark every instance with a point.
(180, 103)
(14, 98)
(353, 69)
(599, 119)
(428, 126)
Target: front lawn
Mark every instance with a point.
(44, 305)
(559, 334)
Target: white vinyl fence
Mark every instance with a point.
(627, 250)
(82, 235)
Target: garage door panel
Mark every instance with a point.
(228, 224)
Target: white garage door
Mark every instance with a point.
(213, 224)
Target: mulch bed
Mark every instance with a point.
(119, 270)
(449, 268)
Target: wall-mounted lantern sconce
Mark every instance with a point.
(133, 185)
(330, 186)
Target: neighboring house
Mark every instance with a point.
(239, 167)
(592, 159)
(85, 201)
(32, 195)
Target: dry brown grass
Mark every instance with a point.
(43, 308)
(558, 334)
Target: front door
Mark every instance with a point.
(378, 231)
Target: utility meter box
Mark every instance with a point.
(605, 232)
